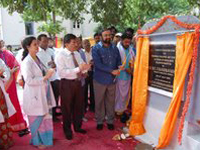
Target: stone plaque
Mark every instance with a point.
(161, 67)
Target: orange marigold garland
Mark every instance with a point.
(193, 65)
(190, 84)
(163, 20)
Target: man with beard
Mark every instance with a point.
(123, 82)
(107, 60)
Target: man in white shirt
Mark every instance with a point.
(89, 79)
(87, 49)
(70, 67)
(46, 56)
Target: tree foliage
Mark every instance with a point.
(52, 28)
(120, 13)
(46, 10)
(195, 3)
(107, 12)
(41, 8)
(131, 13)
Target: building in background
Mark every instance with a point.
(13, 28)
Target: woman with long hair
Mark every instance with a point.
(38, 96)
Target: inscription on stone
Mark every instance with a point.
(161, 67)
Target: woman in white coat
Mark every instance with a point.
(6, 109)
(38, 96)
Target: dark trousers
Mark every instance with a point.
(89, 82)
(72, 104)
(56, 90)
(55, 86)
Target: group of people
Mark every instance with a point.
(48, 74)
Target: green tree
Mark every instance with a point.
(52, 28)
(195, 4)
(131, 13)
(120, 13)
(107, 12)
(41, 8)
(46, 11)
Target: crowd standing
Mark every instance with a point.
(71, 81)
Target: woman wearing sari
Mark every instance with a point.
(6, 109)
(38, 96)
(18, 124)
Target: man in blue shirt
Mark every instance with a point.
(107, 61)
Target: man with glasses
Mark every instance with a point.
(70, 69)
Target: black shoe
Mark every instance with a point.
(82, 131)
(124, 117)
(99, 126)
(68, 136)
(23, 132)
(110, 126)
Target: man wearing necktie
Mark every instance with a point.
(70, 69)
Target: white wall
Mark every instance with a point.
(88, 26)
(86, 29)
(13, 28)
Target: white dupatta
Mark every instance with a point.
(10, 107)
(131, 53)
